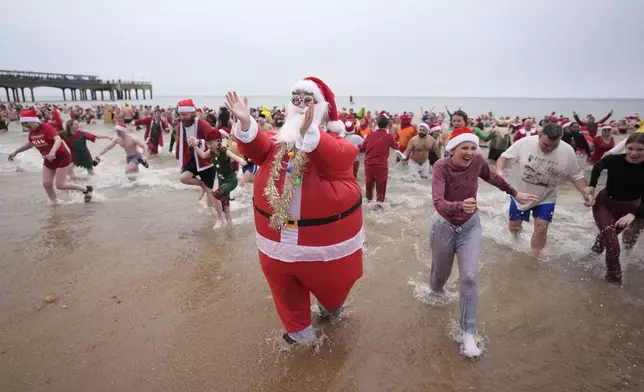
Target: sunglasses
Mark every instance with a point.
(297, 99)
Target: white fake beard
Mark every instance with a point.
(290, 131)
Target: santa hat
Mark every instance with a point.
(606, 126)
(224, 134)
(121, 127)
(29, 116)
(322, 93)
(213, 134)
(349, 126)
(461, 135)
(424, 126)
(186, 106)
(436, 127)
(565, 124)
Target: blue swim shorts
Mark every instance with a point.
(542, 211)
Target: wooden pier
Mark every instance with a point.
(80, 87)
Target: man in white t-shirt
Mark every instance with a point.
(543, 162)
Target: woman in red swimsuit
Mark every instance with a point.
(56, 157)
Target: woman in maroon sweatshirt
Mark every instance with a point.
(457, 231)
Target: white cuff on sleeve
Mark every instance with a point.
(310, 140)
(249, 135)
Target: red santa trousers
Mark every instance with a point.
(376, 176)
(291, 285)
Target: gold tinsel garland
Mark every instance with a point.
(279, 203)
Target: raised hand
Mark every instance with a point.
(239, 109)
(308, 119)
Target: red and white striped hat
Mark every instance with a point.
(29, 116)
(121, 127)
(186, 106)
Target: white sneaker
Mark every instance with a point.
(469, 348)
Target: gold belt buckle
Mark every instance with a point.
(290, 223)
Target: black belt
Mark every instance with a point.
(292, 223)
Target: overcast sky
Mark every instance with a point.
(481, 48)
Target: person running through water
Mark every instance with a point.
(620, 204)
(56, 157)
(457, 231)
(223, 159)
(418, 152)
(154, 128)
(130, 144)
(76, 141)
(543, 160)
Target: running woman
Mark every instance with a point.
(620, 204)
(457, 231)
(76, 141)
(56, 157)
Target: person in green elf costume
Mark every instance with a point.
(222, 158)
(76, 141)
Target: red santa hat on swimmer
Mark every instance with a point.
(29, 116)
(186, 106)
(436, 127)
(121, 127)
(322, 93)
(423, 126)
(349, 126)
(607, 126)
(565, 124)
(461, 135)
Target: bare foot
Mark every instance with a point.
(217, 225)
(202, 192)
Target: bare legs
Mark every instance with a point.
(539, 236)
(60, 179)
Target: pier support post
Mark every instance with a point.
(33, 99)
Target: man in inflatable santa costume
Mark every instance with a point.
(308, 206)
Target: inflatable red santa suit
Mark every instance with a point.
(308, 206)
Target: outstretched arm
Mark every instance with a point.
(20, 149)
(236, 158)
(574, 114)
(108, 147)
(606, 117)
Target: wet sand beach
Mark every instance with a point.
(149, 298)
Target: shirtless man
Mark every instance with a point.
(131, 146)
(418, 150)
(127, 114)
